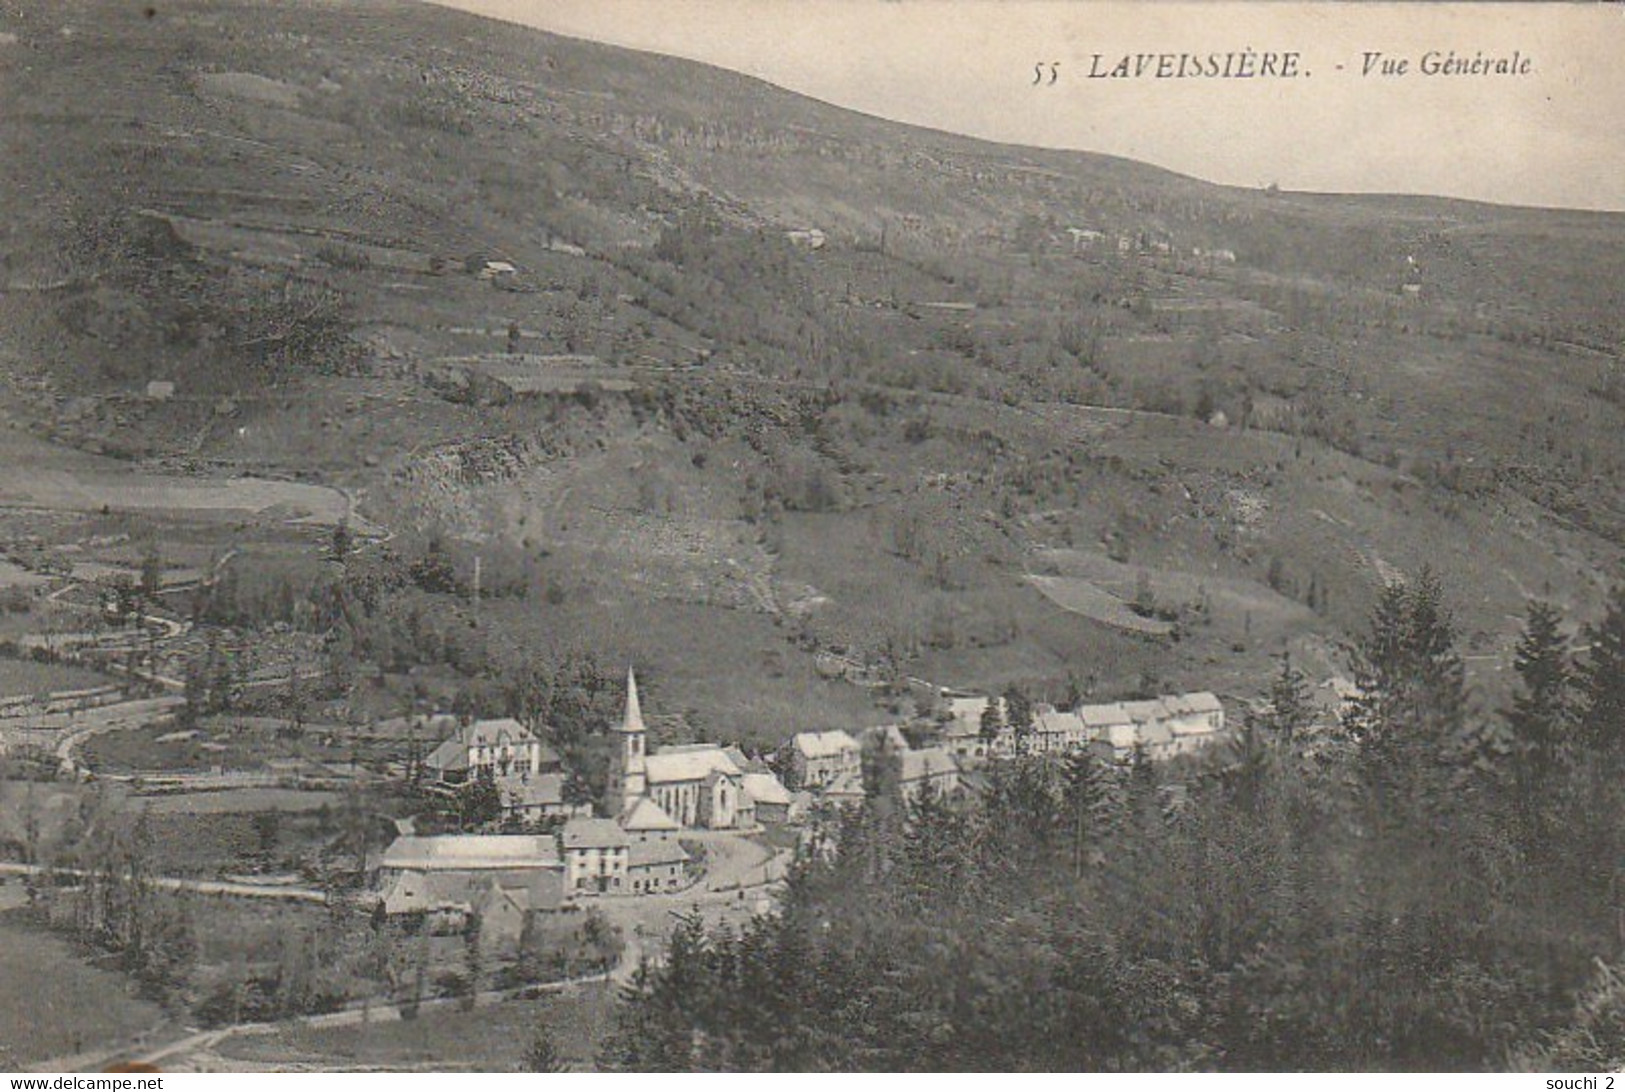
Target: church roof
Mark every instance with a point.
(689, 764)
(645, 814)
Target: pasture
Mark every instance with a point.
(492, 1038)
(56, 1002)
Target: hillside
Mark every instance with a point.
(717, 359)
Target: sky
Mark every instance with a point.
(1549, 137)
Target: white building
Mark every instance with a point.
(819, 758)
(505, 747)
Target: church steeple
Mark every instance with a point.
(633, 721)
(628, 780)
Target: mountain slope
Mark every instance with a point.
(338, 227)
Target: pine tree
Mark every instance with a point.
(1542, 710)
(1408, 718)
(992, 725)
(1018, 712)
(1290, 711)
(1602, 682)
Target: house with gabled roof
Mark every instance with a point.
(819, 758)
(595, 853)
(646, 821)
(503, 746)
(930, 768)
(654, 867)
(768, 795)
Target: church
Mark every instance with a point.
(696, 785)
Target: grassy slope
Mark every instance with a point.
(491, 1039)
(439, 134)
(55, 1004)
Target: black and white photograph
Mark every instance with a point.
(879, 536)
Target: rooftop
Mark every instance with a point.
(447, 852)
(824, 744)
(689, 764)
(645, 814)
(764, 788)
(537, 791)
(1202, 701)
(931, 762)
(1102, 716)
(657, 853)
(594, 834)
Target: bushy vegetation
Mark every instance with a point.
(1425, 888)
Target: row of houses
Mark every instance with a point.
(1143, 242)
(1163, 728)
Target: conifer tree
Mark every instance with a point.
(1290, 711)
(1602, 682)
(1408, 717)
(1542, 709)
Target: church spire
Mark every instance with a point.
(628, 773)
(633, 721)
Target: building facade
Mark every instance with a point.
(818, 759)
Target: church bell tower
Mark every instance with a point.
(628, 780)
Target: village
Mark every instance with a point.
(657, 799)
(670, 826)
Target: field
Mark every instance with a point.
(56, 1004)
(241, 743)
(172, 497)
(1085, 597)
(492, 1038)
(33, 677)
(238, 802)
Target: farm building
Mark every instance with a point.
(530, 797)
(655, 866)
(846, 790)
(772, 799)
(450, 873)
(931, 768)
(962, 732)
(811, 238)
